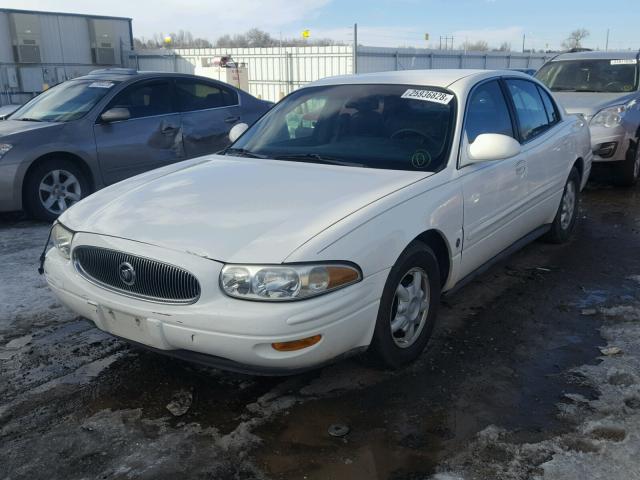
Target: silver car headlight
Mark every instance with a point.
(62, 238)
(286, 282)
(4, 148)
(609, 117)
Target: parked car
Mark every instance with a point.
(330, 226)
(83, 134)
(604, 88)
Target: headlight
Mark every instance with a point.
(62, 238)
(4, 148)
(609, 117)
(286, 282)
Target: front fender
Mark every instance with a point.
(375, 237)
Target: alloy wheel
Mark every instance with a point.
(568, 205)
(410, 307)
(58, 190)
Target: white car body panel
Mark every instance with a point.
(213, 210)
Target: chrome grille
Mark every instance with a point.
(153, 280)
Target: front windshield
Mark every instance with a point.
(396, 127)
(65, 102)
(604, 76)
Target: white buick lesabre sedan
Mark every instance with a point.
(331, 226)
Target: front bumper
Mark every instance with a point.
(618, 135)
(10, 193)
(236, 334)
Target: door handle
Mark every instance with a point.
(521, 168)
(168, 129)
(231, 119)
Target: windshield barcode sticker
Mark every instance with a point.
(628, 61)
(101, 85)
(428, 96)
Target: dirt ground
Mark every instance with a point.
(533, 372)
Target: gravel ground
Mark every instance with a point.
(533, 372)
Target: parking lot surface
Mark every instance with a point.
(532, 372)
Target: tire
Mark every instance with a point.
(52, 187)
(565, 220)
(626, 173)
(395, 350)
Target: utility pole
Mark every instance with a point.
(606, 45)
(355, 48)
(523, 37)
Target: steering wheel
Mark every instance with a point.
(409, 132)
(614, 85)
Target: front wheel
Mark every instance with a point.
(52, 187)
(567, 215)
(628, 171)
(408, 307)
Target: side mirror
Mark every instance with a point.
(237, 130)
(492, 146)
(115, 114)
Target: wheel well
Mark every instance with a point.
(438, 244)
(579, 164)
(79, 162)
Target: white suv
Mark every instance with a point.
(603, 87)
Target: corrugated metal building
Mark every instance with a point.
(38, 49)
(273, 71)
(276, 71)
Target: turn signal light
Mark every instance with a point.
(296, 344)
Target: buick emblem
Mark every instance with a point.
(127, 273)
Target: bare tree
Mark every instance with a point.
(259, 38)
(479, 46)
(504, 47)
(181, 39)
(575, 39)
(251, 38)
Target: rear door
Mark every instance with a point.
(149, 139)
(209, 110)
(545, 145)
(494, 192)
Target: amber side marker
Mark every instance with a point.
(296, 344)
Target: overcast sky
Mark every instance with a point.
(544, 23)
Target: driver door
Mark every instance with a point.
(150, 138)
(495, 192)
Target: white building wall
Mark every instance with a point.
(274, 72)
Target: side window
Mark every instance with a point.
(532, 115)
(301, 122)
(487, 112)
(195, 95)
(549, 105)
(145, 99)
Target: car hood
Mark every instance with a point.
(231, 209)
(13, 127)
(589, 103)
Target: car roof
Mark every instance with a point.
(436, 77)
(126, 74)
(609, 55)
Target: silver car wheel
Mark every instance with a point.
(58, 190)
(410, 307)
(568, 205)
(636, 166)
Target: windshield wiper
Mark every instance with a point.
(28, 119)
(317, 158)
(241, 152)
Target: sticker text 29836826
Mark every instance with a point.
(428, 96)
